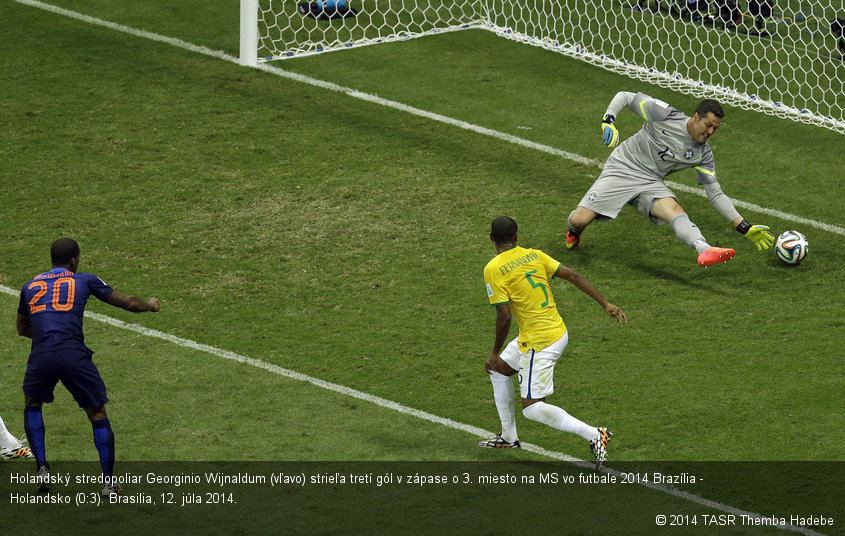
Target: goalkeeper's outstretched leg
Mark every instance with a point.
(668, 209)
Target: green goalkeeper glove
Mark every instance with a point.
(758, 235)
(610, 136)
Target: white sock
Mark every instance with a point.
(559, 419)
(689, 233)
(7, 440)
(504, 396)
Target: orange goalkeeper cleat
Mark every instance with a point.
(572, 240)
(714, 255)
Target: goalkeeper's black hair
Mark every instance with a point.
(503, 229)
(710, 106)
(63, 250)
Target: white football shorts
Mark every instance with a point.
(536, 368)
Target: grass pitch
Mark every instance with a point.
(345, 240)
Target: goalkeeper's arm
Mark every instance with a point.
(609, 134)
(758, 235)
(620, 101)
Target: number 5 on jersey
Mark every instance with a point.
(535, 284)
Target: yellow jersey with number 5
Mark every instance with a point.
(520, 277)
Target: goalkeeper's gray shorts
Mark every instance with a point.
(612, 191)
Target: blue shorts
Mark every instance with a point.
(73, 368)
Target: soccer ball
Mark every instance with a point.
(791, 247)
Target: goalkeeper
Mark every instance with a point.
(634, 174)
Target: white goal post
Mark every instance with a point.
(780, 57)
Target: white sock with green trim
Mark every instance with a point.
(504, 396)
(559, 419)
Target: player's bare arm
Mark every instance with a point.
(503, 328)
(584, 285)
(133, 303)
(24, 326)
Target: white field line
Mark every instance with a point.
(401, 408)
(791, 218)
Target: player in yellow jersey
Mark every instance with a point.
(517, 282)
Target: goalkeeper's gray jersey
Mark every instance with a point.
(661, 147)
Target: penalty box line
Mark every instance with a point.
(179, 43)
(401, 408)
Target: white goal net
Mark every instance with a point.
(780, 57)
